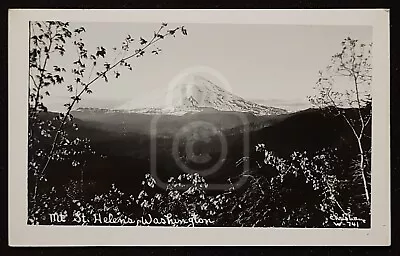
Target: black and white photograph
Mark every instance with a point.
(199, 124)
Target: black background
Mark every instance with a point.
(253, 4)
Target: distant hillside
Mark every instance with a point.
(129, 122)
(123, 138)
(289, 105)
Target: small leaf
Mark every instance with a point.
(80, 30)
(142, 41)
(101, 52)
(129, 38)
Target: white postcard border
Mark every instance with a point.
(21, 234)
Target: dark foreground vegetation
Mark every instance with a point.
(301, 172)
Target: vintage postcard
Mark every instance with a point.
(199, 127)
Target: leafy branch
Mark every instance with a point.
(108, 68)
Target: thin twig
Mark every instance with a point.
(137, 53)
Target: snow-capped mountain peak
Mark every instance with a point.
(196, 93)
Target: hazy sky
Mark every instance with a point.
(264, 62)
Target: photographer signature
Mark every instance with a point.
(346, 220)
